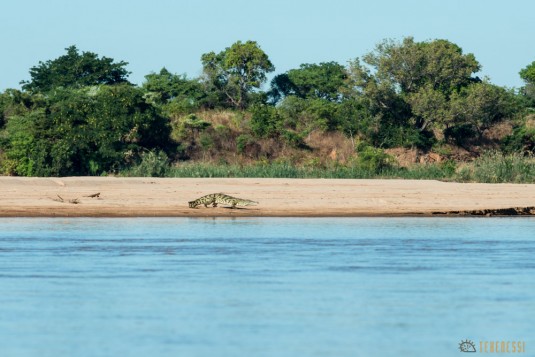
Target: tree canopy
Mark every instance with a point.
(79, 115)
(84, 131)
(75, 70)
(236, 71)
(410, 65)
(322, 80)
(528, 73)
(173, 92)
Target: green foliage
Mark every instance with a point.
(153, 164)
(79, 115)
(243, 141)
(412, 82)
(78, 132)
(482, 105)
(495, 167)
(306, 115)
(522, 140)
(353, 118)
(460, 134)
(429, 108)
(294, 118)
(176, 94)
(189, 127)
(310, 81)
(294, 139)
(23, 149)
(374, 159)
(412, 65)
(75, 70)
(528, 73)
(265, 121)
(491, 167)
(321, 114)
(14, 102)
(391, 135)
(234, 73)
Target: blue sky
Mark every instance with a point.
(157, 33)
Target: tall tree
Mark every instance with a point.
(164, 87)
(75, 70)
(410, 82)
(528, 75)
(409, 65)
(322, 81)
(481, 105)
(236, 71)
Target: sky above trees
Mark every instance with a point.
(174, 34)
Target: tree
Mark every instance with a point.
(173, 92)
(429, 108)
(379, 95)
(409, 84)
(75, 70)
(235, 72)
(321, 81)
(480, 105)
(265, 121)
(84, 131)
(409, 65)
(528, 75)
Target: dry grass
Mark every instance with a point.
(530, 121)
(331, 146)
(499, 131)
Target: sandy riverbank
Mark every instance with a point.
(123, 197)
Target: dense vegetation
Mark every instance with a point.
(407, 109)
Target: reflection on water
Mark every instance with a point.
(264, 286)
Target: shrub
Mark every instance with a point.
(153, 164)
(265, 121)
(521, 140)
(86, 131)
(460, 134)
(294, 139)
(496, 167)
(189, 127)
(243, 141)
(392, 136)
(374, 160)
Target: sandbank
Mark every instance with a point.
(168, 197)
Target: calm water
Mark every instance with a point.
(264, 286)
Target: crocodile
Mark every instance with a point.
(220, 198)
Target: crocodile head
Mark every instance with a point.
(193, 204)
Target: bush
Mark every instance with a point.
(243, 141)
(153, 164)
(87, 131)
(265, 121)
(460, 134)
(392, 136)
(495, 167)
(294, 139)
(189, 127)
(521, 140)
(374, 160)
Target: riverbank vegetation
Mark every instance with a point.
(407, 109)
